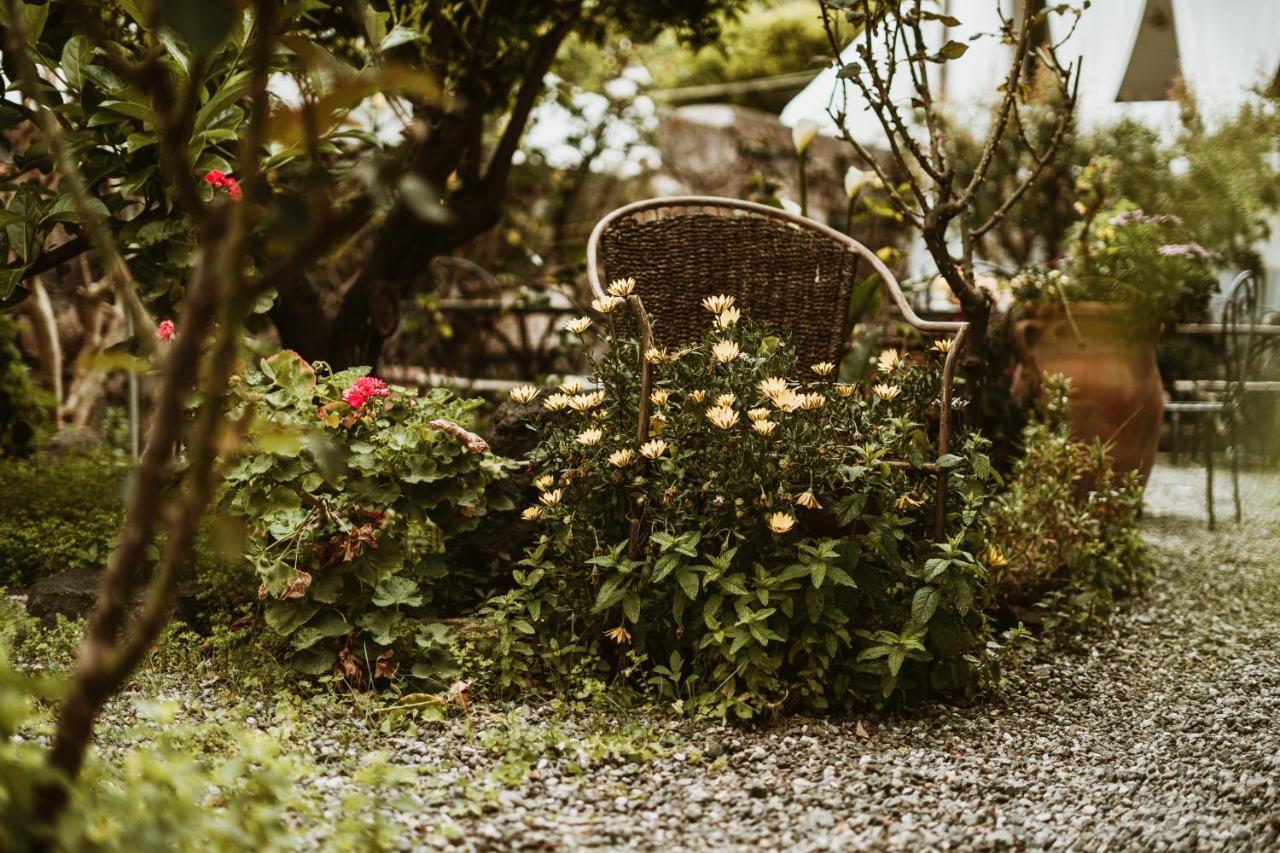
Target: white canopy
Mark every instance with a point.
(1226, 48)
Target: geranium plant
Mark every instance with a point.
(351, 490)
(754, 545)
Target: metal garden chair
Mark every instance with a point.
(786, 272)
(1215, 403)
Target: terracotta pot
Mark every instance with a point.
(1116, 394)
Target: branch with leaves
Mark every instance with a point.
(136, 600)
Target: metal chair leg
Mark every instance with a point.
(1235, 468)
(1207, 438)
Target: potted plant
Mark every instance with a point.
(1098, 316)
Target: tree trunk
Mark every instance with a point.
(397, 264)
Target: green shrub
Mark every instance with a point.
(24, 409)
(759, 550)
(65, 510)
(351, 491)
(1067, 527)
(58, 511)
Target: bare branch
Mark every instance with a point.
(1002, 117)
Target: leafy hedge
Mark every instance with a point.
(58, 511)
(65, 510)
(25, 410)
(759, 550)
(351, 491)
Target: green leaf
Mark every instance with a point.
(313, 661)
(398, 36)
(950, 50)
(33, 19)
(950, 460)
(795, 570)
(76, 54)
(896, 657)
(924, 604)
(664, 566)
(382, 625)
(10, 278)
(326, 625)
(874, 652)
(609, 593)
(819, 574)
(202, 24)
(865, 299)
(63, 209)
(631, 607)
(688, 581)
(394, 591)
(291, 372)
(839, 576)
(232, 89)
(285, 617)
(132, 109)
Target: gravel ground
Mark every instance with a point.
(1162, 732)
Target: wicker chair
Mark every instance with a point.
(786, 272)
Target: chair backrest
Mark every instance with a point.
(1239, 312)
(785, 272)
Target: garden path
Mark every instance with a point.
(1161, 732)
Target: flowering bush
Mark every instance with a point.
(1067, 526)
(1151, 263)
(757, 547)
(351, 490)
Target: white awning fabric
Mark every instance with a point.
(1227, 48)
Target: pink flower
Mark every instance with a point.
(215, 178)
(364, 388)
(1172, 250)
(166, 331)
(233, 188)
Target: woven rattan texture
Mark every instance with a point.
(791, 280)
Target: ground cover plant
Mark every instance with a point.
(1067, 526)
(351, 491)
(758, 550)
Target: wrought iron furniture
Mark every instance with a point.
(785, 271)
(1215, 402)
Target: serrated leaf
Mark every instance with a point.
(609, 593)
(949, 460)
(688, 581)
(924, 604)
(394, 591)
(381, 624)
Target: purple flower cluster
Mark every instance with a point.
(1170, 250)
(1129, 217)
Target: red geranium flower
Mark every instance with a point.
(166, 331)
(364, 388)
(222, 181)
